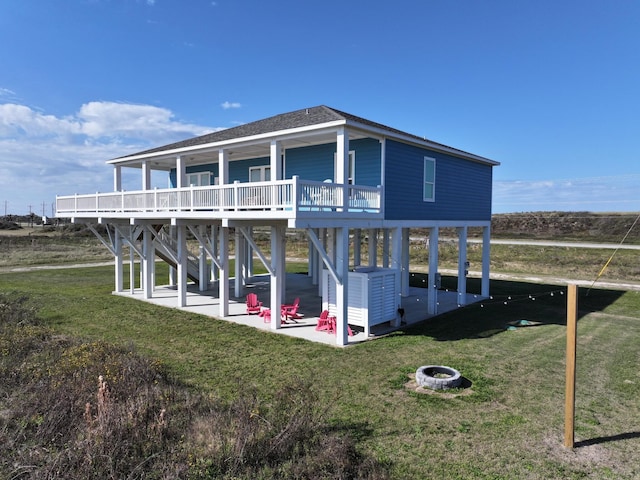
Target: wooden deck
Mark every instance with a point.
(282, 199)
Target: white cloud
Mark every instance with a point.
(606, 193)
(43, 155)
(228, 105)
(5, 92)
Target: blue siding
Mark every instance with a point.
(240, 170)
(310, 163)
(368, 163)
(463, 188)
(317, 162)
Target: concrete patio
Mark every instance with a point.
(298, 285)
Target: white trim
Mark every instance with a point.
(425, 182)
(241, 141)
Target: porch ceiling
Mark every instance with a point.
(236, 151)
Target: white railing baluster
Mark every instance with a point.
(300, 196)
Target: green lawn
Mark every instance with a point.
(510, 426)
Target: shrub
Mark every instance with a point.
(73, 409)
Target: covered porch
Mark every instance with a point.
(299, 285)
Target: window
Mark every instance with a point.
(260, 174)
(351, 179)
(429, 191)
(198, 179)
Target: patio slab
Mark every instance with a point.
(298, 285)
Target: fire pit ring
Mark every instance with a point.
(438, 377)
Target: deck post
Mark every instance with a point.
(182, 255)
(463, 266)
(238, 247)
(275, 160)
(372, 246)
(404, 281)
(486, 260)
(117, 178)
(202, 261)
(357, 253)
(181, 174)
(132, 264)
(213, 242)
(432, 290)
(223, 166)
(342, 165)
(172, 270)
(385, 248)
(147, 270)
(119, 270)
(277, 268)
(322, 236)
(223, 280)
(396, 263)
(341, 256)
(146, 176)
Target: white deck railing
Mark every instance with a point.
(292, 195)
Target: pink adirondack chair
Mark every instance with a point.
(290, 311)
(253, 304)
(323, 321)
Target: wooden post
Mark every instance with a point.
(570, 386)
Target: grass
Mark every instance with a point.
(511, 426)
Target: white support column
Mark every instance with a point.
(385, 248)
(275, 161)
(357, 253)
(396, 263)
(214, 248)
(172, 270)
(373, 247)
(486, 261)
(238, 248)
(117, 178)
(404, 282)
(342, 290)
(276, 294)
(146, 176)
(181, 172)
(181, 246)
(203, 270)
(147, 268)
(322, 236)
(248, 270)
(463, 265)
(119, 267)
(223, 167)
(432, 291)
(310, 261)
(342, 163)
(223, 284)
(132, 271)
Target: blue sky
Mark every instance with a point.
(551, 89)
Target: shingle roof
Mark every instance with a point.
(285, 121)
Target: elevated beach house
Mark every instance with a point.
(344, 181)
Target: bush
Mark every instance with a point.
(73, 409)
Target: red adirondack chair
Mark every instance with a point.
(290, 311)
(323, 321)
(253, 304)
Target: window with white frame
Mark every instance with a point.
(429, 186)
(261, 173)
(199, 179)
(351, 179)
